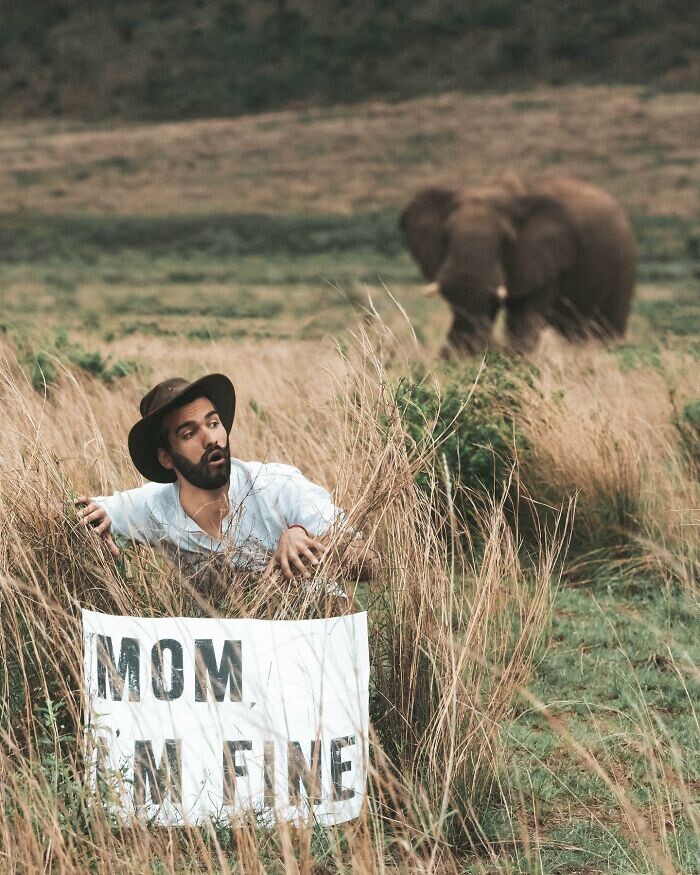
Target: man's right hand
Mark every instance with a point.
(295, 548)
(96, 517)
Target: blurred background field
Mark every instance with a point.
(279, 224)
(181, 215)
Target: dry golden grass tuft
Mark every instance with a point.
(606, 433)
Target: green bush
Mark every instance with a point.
(242, 57)
(515, 53)
(693, 243)
(571, 42)
(688, 426)
(43, 363)
(472, 441)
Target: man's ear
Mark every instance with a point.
(165, 460)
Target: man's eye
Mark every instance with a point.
(214, 423)
(186, 435)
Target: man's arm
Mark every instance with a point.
(123, 513)
(309, 513)
(91, 514)
(361, 561)
(304, 503)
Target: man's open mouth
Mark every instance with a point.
(216, 456)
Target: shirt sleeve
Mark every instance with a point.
(304, 503)
(130, 512)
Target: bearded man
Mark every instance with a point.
(200, 501)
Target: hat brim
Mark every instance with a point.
(144, 437)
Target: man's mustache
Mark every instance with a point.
(209, 452)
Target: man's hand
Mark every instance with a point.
(361, 560)
(96, 517)
(294, 550)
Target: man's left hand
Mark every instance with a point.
(361, 560)
(296, 550)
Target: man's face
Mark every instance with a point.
(198, 446)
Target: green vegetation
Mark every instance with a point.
(664, 241)
(688, 425)
(225, 57)
(209, 277)
(618, 674)
(86, 239)
(464, 427)
(681, 318)
(44, 360)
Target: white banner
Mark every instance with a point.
(206, 718)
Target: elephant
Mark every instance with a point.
(551, 251)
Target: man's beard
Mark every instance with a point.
(201, 474)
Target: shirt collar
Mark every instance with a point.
(188, 526)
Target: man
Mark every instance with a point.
(201, 502)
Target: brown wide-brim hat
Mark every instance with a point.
(144, 437)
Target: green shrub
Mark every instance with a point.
(572, 43)
(43, 363)
(473, 441)
(688, 426)
(632, 356)
(42, 368)
(515, 53)
(679, 316)
(693, 243)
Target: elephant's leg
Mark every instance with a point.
(525, 318)
(567, 322)
(469, 334)
(523, 328)
(616, 307)
(570, 323)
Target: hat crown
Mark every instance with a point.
(161, 394)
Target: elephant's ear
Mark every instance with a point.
(424, 225)
(543, 246)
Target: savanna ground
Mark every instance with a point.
(267, 247)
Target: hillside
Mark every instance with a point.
(360, 159)
(160, 59)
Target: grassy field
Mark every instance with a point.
(638, 143)
(267, 247)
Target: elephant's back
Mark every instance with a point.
(599, 219)
(583, 201)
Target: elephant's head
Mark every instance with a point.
(424, 225)
(482, 248)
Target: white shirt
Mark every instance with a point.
(264, 499)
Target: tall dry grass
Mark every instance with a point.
(455, 629)
(609, 434)
(452, 637)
